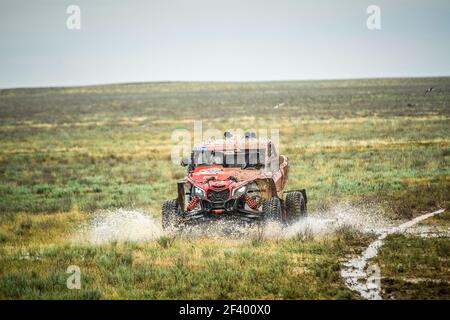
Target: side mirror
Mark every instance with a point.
(185, 161)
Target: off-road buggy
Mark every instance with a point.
(240, 178)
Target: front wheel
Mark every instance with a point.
(272, 209)
(295, 206)
(169, 214)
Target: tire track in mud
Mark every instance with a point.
(356, 271)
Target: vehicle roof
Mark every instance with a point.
(233, 143)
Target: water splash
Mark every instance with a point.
(362, 218)
(137, 225)
(120, 225)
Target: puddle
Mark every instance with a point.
(364, 278)
(429, 231)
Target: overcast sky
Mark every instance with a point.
(158, 40)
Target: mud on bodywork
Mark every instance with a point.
(243, 188)
(225, 199)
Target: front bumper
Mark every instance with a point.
(236, 215)
(231, 209)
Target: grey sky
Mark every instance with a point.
(127, 41)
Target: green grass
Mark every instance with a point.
(68, 152)
(109, 146)
(189, 269)
(417, 267)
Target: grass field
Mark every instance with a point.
(67, 153)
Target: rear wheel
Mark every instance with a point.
(272, 209)
(295, 206)
(169, 213)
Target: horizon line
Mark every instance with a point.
(100, 84)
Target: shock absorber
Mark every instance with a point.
(193, 203)
(250, 201)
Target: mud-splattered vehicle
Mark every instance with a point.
(241, 178)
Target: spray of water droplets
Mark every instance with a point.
(120, 225)
(137, 225)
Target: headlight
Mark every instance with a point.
(239, 191)
(199, 192)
